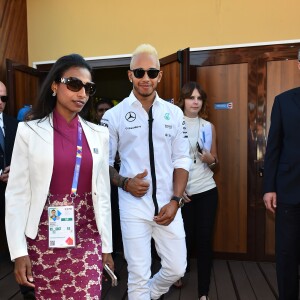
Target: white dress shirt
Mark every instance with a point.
(2, 124)
(129, 131)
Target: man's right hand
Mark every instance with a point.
(23, 271)
(138, 186)
(5, 174)
(270, 201)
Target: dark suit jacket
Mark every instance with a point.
(10, 128)
(282, 159)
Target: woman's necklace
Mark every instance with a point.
(191, 147)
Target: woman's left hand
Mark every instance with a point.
(108, 260)
(206, 157)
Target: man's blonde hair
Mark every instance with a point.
(144, 48)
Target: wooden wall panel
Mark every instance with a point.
(13, 33)
(228, 83)
(282, 76)
(169, 87)
(13, 44)
(26, 90)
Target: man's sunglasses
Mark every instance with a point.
(4, 98)
(140, 73)
(75, 85)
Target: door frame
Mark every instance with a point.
(11, 68)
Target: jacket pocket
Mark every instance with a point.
(283, 167)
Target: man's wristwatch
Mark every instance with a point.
(179, 200)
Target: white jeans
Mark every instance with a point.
(170, 246)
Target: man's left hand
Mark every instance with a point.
(4, 175)
(167, 213)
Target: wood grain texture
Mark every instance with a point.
(169, 87)
(229, 280)
(13, 33)
(23, 86)
(228, 83)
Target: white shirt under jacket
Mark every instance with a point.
(30, 176)
(129, 132)
(200, 176)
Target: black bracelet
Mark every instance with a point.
(123, 183)
(126, 184)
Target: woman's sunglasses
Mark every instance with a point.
(140, 73)
(75, 85)
(4, 98)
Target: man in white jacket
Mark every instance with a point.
(148, 134)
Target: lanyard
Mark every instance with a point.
(78, 160)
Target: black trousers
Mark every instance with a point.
(287, 248)
(199, 219)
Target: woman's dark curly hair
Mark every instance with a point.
(187, 91)
(45, 101)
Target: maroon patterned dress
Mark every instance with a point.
(68, 273)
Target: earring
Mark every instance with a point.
(54, 93)
(130, 80)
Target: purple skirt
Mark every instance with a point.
(68, 273)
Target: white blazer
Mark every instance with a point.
(30, 176)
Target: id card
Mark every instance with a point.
(61, 226)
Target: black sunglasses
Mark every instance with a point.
(140, 73)
(75, 85)
(4, 98)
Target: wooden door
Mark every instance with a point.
(228, 84)
(23, 84)
(175, 69)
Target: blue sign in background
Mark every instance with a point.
(223, 105)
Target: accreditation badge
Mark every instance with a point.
(61, 226)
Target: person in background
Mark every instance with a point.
(101, 107)
(23, 112)
(26, 291)
(8, 127)
(281, 188)
(201, 193)
(151, 181)
(60, 161)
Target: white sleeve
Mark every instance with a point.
(17, 196)
(108, 121)
(180, 146)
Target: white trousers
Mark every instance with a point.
(170, 246)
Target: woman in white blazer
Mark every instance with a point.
(60, 162)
